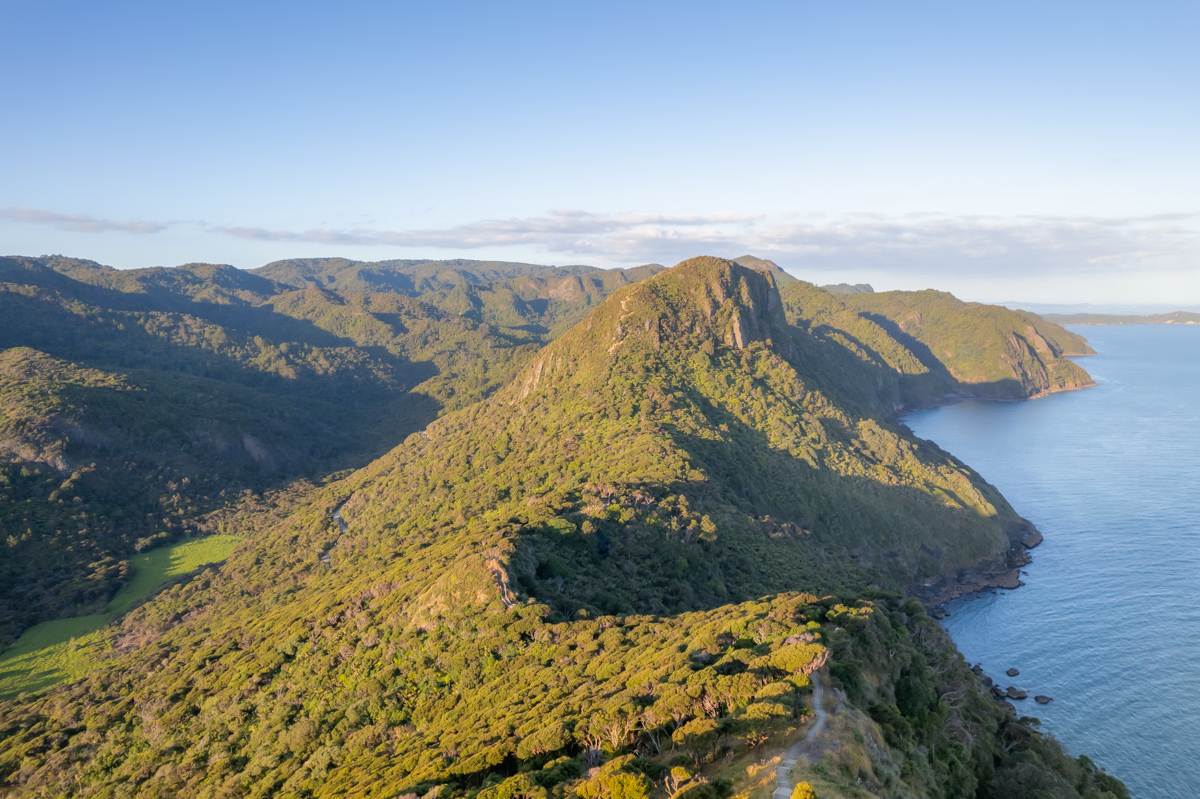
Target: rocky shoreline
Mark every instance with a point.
(964, 393)
(937, 595)
(974, 581)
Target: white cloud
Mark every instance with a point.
(79, 223)
(559, 231)
(932, 243)
(925, 243)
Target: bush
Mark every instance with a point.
(803, 790)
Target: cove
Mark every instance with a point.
(1108, 622)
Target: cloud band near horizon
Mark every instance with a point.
(930, 242)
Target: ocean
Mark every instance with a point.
(1108, 621)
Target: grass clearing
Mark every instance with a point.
(65, 649)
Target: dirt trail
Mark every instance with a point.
(804, 748)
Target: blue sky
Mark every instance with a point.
(1032, 151)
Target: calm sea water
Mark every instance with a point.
(1108, 622)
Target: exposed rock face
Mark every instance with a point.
(1007, 575)
(1013, 692)
(1010, 579)
(754, 306)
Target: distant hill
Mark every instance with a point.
(138, 400)
(760, 264)
(495, 292)
(988, 350)
(1173, 318)
(849, 288)
(634, 555)
(925, 347)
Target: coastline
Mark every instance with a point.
(961, 396)
(984, 577)
(977, 581)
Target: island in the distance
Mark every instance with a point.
(1172, 318)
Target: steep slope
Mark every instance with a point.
(95, 464)
(627, 550)
(139, 400)
(925, 347)
(275, 353)
(989, 351)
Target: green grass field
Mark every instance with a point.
(64, 649)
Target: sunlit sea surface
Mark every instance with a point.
(1108, 622)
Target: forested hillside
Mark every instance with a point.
(928, 346)
(986, 350)
(613, 576)
(139, 400)
(135, 401)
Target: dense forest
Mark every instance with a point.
(628, 519)
(137, 401)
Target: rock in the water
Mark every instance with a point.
(1015, 693)
(998, 692)
(1042, 699)
(1013, 672)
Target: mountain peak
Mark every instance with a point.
(761, 264)
(703, 303)
(743, 300)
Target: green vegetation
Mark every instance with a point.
(848, 288)
(138, 402)
(920, 724)
(610, 577)
(988, 351)
(899, 349)
(135, 402)
(923, 347)
(803, 790)
(153, 569)
(64, 649)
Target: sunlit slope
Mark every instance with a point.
(623, 550)
(988, 350)
(67, 648)
(136, 401)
